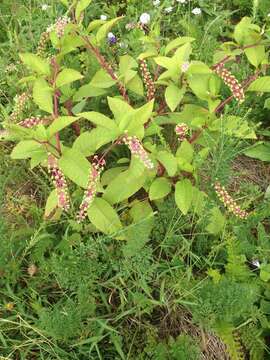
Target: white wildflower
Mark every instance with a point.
(182, 1)
(111, 35)
(44, 7)
(196, 11)
(156, 2)
(103, 17)
(145, 18)
(168, 9)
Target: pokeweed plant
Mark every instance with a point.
(163, 105)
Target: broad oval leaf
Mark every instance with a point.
(159, 188)
(168, 161)
(67, 76)
(60, 123)
(261, 85)
(104, 217)
(173, 96)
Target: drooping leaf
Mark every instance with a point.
(216, 221)
(99, 119)
(177, 42)
(173, 96)
(183, 195)
(102, 80)
(104, 217)
(261, 85)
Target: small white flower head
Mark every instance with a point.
(168, 9)
(182, 1)
(145, 19)
(44, 7)
(156, 2)
(185, 66)
(103, 17)
(268, 15)
(111, 35)
(256, 263)
(196, 11)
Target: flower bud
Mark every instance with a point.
(147, 78)
(181, 130)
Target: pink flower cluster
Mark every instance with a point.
(59, 182)
(147, 78)
(229, 202)
(181, 130)
(137, 150)
(31, 122)
(90, 192)
(59, 26)
(230, 80)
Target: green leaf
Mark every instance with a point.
(99, 119)
(36, 63)
(217, 221)
(26, 149)
(104, 217)
(137, 118)
(125, 184)
(241, 29)
(185, 151)
(104, 29)
(168, 161)
(51, 205)
(173, 96)
(177, 42)
(87, 91)
(60, 123)
(183, 195)
(110, 174)
(159, 188)
(265, 272)
(261, 85)
(102, 80)
(42, 95)
(67, 76)
(75, 166)
(118, 107)
(137, 234)
(90, 141)
(81, 6)
(255, 55)
(136, 85)
(259, 151)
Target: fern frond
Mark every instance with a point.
(232, 341)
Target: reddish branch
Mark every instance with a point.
(55, 101)
(107, 67)
(76, 127)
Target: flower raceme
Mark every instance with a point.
(59, 182)
(20, 102)
(147, 78)
(31, 122)
(138, 151)
(90, 192)
(229, 202)
(230, 80)
(181, 131)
